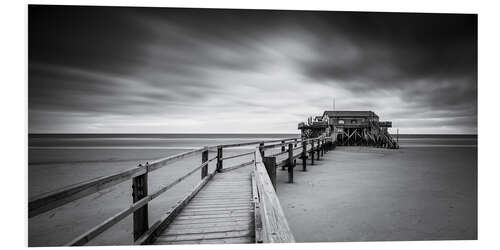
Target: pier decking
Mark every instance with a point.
(235, 204)
(222, 212)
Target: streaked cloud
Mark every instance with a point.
(153, 70)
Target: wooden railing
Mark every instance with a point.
(271, 225)
(143, 233)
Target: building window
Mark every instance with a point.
(341, 121)
(354, 121)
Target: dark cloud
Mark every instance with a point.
(107, 66)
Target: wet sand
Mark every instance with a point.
(370, 194)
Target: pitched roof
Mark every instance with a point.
(348, 113)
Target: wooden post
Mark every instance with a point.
(204, 158)
(322, 147)
(283, 149)
(318, 149)
(304, 155)
(139, 191)
(312, 152)
(270, 163)
(295, 161)
(290, 163)
(219, 159)
(261, 149)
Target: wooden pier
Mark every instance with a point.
(235, 204)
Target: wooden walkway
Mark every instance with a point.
(231, 204)
(222, 212)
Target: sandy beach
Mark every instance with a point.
(371, 194)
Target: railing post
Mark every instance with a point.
(318, 150)
(270, 163)
(204, 158)
(322, 147)
(219, 159)
(290, 163)
(304, 155)
(139, 191)
(312, 152)
(283, 149)
(295, 145)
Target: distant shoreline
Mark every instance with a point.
(228, 135)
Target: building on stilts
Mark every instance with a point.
(350, 128)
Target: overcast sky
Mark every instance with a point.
(161, 70)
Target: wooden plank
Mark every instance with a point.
(212, 220)
(206, 236)
(48, 201)
(221, 210)
(223, 198)
(194, 217)
(232, 240)
(211, 224)
(220, 229)
(215, 204)
(257, 215)
(228, 206)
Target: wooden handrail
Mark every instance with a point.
(275, 227)
(236, 156)
(254, 142)
(48, 201)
